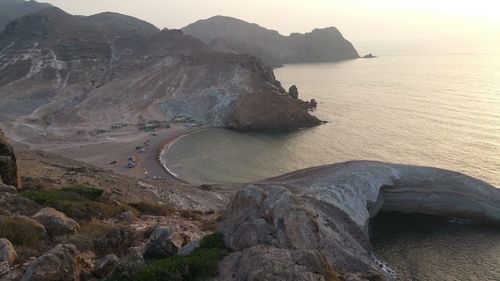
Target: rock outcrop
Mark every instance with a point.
(293, 92)
(54, 84)
(56, 222)
(162, 243)
(8, 164)
(323, 213)
(234, 35)
(61, 263)
(8, 255)
(105, 266)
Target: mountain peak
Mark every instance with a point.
(48, 21)
(119, 25)
(13, 9)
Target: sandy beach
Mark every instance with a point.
(121, 145)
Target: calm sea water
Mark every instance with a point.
(420, 248)
(434, 110)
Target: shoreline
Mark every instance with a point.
(104, 151)
(166, 146)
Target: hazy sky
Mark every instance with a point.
(460, 23)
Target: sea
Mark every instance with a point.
(439, 109)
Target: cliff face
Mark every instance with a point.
(296, 226)
(8, 164)
(61, 73)
(234, 35)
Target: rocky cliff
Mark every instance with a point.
(234, 35)
(304, 225)
(60, 74)
(8, 164)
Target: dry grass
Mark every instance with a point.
(22, 232)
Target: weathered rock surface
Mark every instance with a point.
(8, 164)
(105, 266)
(8, 255)
(268, 263)
(162, 243)
(234, 35)
(54, 84)
(327, 209)
(56, 222)
(265, 111)
(61, 263)
(7, 189)
(189, 248)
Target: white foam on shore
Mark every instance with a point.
(167, 147)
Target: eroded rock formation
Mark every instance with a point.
(8, 164)
(323, 213)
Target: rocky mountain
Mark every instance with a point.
(234, 35)
(12, 9)
(64, 74)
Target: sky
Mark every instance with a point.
(457, 24)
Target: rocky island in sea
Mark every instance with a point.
(88, 102)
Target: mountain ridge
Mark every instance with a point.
(235, 35)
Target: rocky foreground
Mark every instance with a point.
(71, 221)
(308, 224)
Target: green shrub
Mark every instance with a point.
(153, 209)
(78, 202)
(21, 231)
(85, 191)
(201, 264)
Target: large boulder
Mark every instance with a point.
(162, 243)
(325, 211)
(56, 222)
(7, 188)
(8, 255)
(8, 165)
(269, 263)
(62, 263)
